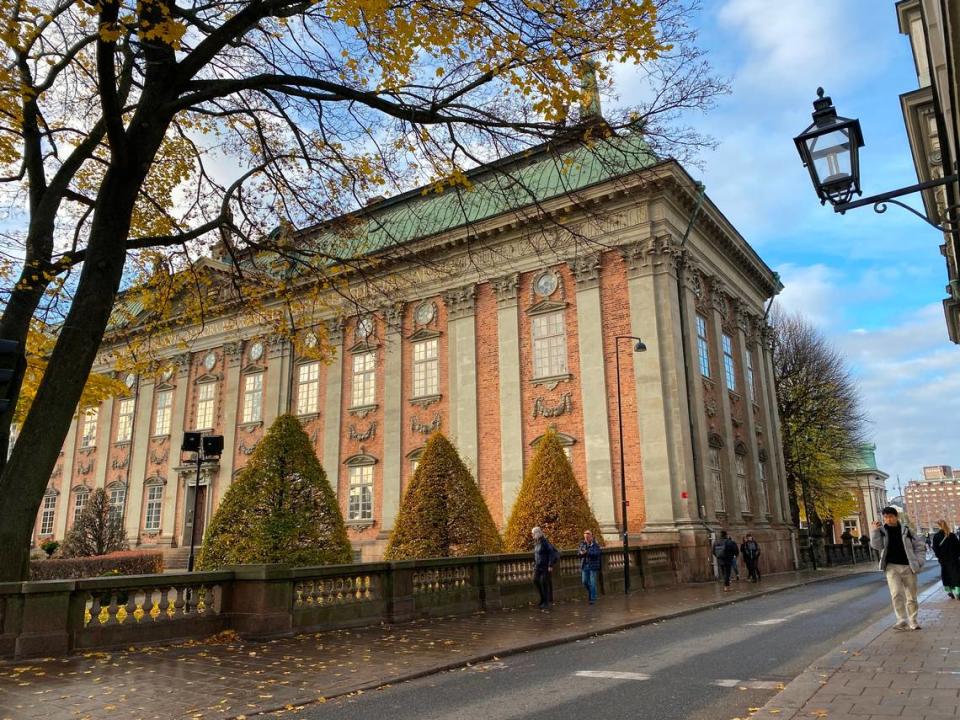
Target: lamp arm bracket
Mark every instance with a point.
(880, 201)
(947, 225)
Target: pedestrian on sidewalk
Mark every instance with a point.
(545, 556)
(902, 554)
(946, 547)
(590, 553)
(750, 551)
(725, 550)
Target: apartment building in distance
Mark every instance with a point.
(935, 497)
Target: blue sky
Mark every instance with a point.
(873, 283)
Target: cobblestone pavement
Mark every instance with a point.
(224, 677)
(883, 673)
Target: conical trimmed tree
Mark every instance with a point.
(98, 530)
(280, 509)
(550, 497)
(442, 513)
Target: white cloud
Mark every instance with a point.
(813, 290)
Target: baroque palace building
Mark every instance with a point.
(516, 335)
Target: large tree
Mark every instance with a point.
(135, 136)
(97, 531)
(822, 423)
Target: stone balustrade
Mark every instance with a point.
(56, 617)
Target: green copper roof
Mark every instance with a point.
(866, 459)
(523, 179)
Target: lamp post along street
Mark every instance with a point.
(639, 347)
(204, 447)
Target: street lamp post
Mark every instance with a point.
(204, 447)
(638, 347)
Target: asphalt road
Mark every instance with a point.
(712, 665)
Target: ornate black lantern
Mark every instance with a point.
(829, 150)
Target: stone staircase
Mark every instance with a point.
(176, 558)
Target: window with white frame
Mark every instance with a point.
(741, 465)
(89, 437)
(118, 496)
(360, 504)
(253, 398)
(48, 513)
(850, 525)
(549, 344)
(154, 505)
(716, 477)
(161, 420)
(308, 388)
(751, 390)
(125, 420)
(729, 369)
(703, 347)
(764, 491)
(79, 503)
(364, 379)
(426, 368)
(206, 399)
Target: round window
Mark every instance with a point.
(425, 313)
(256, 351)
(310, 340)
(546, 284)
(167, 373)
(364, 327)
(129, 380)
(210, 360)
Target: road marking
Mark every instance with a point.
(612, 675)
(750, 684)
(777, 621)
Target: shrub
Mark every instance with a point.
(50, 547)
(550, 497)
(280, 509)
(130, 562)
(97, 531)
(442, 513)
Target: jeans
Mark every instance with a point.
(736, 570)
(726, 568)
(589, 580)
(753, 567)
(543, 579)
(902, 582)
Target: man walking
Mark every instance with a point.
(750, 550)
(545, 556)
(590, 564)
(725, 550)
(902, 554)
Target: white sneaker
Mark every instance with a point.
(900, 625)
(914, 627)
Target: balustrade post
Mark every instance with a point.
(259, 600)
(487, 566)
(45, 623)
(399, 591)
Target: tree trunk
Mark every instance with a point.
(26, 474)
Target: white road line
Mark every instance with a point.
(612, 675)
(777, 621)
(750, 684)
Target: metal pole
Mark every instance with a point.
(193, 522)
(623, 480)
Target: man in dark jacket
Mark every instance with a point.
(750, 550)
(590, 553)
(545, 556)
(725, 551)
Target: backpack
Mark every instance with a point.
(720, 549)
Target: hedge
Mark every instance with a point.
(129, 562)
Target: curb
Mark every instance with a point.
(573, 637)
(788, 702)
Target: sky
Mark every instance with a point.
(872, 283)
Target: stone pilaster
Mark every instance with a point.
(462, 372)
(511, 422)
(66, 480)
(720, 309)
(392, 416)
(177, 421)
(779, 499)
(665, 446)
(276, 390)
(593, 389)
(331, 408)
(233, 358)
(750, 421)
(139, 447)
(104, 426)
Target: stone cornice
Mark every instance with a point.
(586, 270)
(651, 255)
(505, 288)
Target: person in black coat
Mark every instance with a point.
(946, 547)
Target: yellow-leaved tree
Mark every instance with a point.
(165, 158)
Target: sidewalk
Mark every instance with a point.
(883, 673)
(226, 677)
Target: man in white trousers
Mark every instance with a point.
(902, 554)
